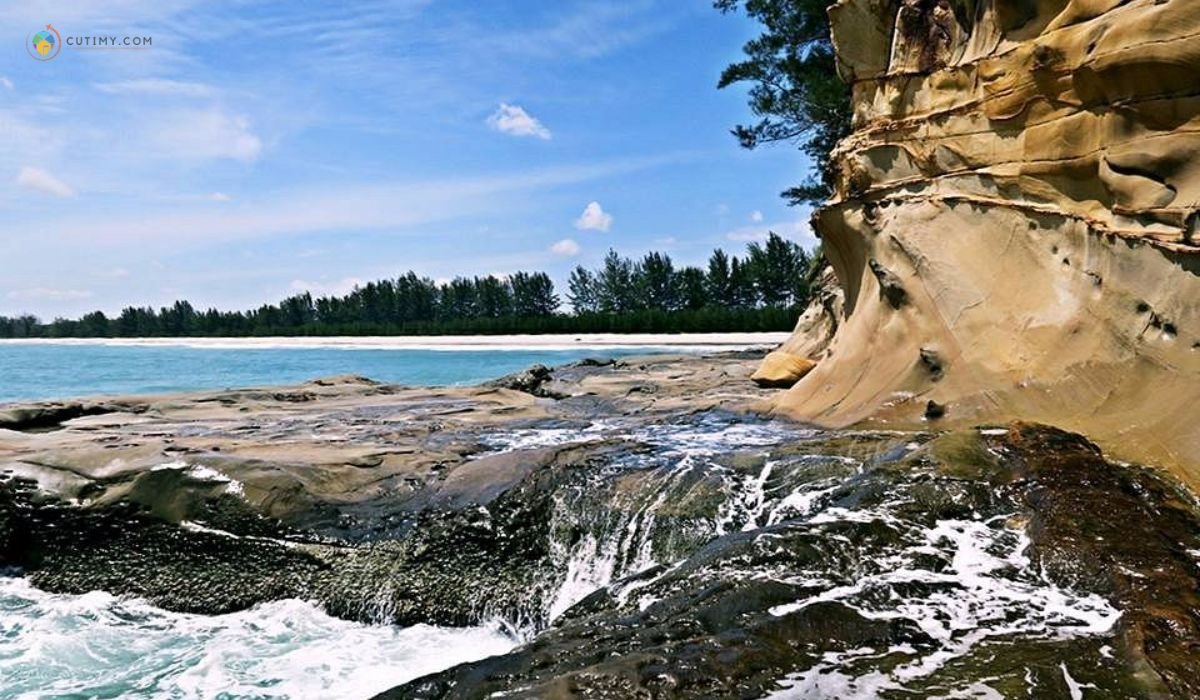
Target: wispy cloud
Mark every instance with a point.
(204, 134)
(594, 218)
(39, 180)
(354, 207)
(319, 288)
(155, 86)
(587, 30)
(515, 121)
(49, 294)
(6, 82)
(799, 231)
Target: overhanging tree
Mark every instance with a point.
(794, 86)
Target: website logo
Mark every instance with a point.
(48, 43)
(44, 45)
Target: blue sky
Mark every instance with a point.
(260, 148)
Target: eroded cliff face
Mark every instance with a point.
(1014, 229)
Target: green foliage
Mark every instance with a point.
(583, 291)
(617, 292)
(794, 86)
(759, 292)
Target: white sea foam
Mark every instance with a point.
(98, 645)
(988, 591)
(533, 438)
(200, 472)
(1073, 686)
(672, 438)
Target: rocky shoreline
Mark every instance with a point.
(642, 524)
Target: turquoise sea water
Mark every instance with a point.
(53, 371)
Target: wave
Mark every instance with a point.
(98, 645)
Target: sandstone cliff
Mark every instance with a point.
(1014, 229)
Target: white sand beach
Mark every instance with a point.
(652, 341)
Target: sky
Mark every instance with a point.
(257, 149)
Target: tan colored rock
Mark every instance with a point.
(782, 369)
(1014, 229)
(819, 323)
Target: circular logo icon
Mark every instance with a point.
(44, 45)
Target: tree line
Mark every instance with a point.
(757, 292)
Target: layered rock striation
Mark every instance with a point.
(1014, 229)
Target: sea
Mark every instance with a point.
(100, 646)
(40, 371)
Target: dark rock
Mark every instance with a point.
(596, 362)
(48, 416)
(890, 286)
(934, 410)
(932, 363)
(530, 381)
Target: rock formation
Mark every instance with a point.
(782, 369)
(1014, 227)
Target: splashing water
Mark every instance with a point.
(962, 582)
(626, 525)
(96, 645)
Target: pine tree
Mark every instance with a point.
(720, 287)
(583, 291)
(657, 287)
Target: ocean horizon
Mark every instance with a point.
(53, 369)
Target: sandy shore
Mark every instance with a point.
(678, 341)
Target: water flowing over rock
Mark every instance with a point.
(638, 530)
(1020, 197)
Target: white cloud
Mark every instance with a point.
(566, 247)
(6, 82)
(219, 197)
(594, 218)
(155, 86)
(319, 288)
(207, 134)
(515, 121)
(49, 294)
(756, 216)
(41, 181)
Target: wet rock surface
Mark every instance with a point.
(648, 534)
(968, 564)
